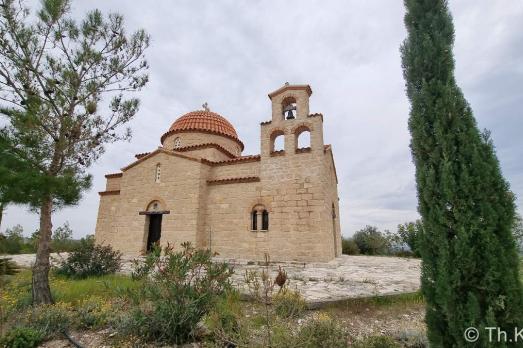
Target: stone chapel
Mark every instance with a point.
(198, 187)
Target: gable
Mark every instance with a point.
(155, 153)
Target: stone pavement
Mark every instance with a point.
(344, 278)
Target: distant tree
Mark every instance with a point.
(62, 238)
(54, 73)
(12, 241)
(470, 268)
(349, 246)
(371, 241)
(409, 233)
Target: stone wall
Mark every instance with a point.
(178, 192)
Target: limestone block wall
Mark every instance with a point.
(197, 138)
(241, 169)
(298, 227)
(112, 183)
(228, 219)
(332, 192)
(106, 231)
(178, 191)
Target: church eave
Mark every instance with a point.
(196, 130)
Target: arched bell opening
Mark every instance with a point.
(277, 141)
(289, 109)
(302, 138)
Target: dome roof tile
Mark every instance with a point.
(206, 121)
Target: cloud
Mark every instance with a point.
(231, 54)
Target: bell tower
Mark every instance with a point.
(290, 102)
(291, 120)
(298, 179)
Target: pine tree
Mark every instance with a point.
(56, 76)
(470, 263)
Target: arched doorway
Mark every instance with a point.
(155, 230)
(153, 224)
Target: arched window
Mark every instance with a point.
(302, 138)
(289, 110)
(265, 220)
(177, 143)
(277, 141)
(259, 218)
(254, 220)
(157, 173)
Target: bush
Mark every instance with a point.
(7, 267)
(371, 241)
(93, 312)
(21, 337)
(224, 323)
(50, 320)
(349, 247)
(179, 290)
(90, 260)
(377, 342)
(289, 304)
(321, 332)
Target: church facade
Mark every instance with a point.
(198, 187)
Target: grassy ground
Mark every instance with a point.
(17, 292)
(93, 308)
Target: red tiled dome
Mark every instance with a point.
(204, 121)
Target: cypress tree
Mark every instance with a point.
(469, 258)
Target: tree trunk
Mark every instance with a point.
(1, 214)
(41, 289)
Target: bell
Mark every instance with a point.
(290, 116)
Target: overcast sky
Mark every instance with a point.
(231, 54)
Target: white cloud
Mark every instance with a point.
(231, 54)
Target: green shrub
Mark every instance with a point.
(7, 267)
(371, 241)
(377, 342)
(225, 322)
(90, 260)
(289, 304)
(21, 337)
(321, 332)
(50, 320)
(93, 312)
(179, 289)
(349, 247)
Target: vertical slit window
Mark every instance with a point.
(254, 222)
(157, 173)
(265, 220)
